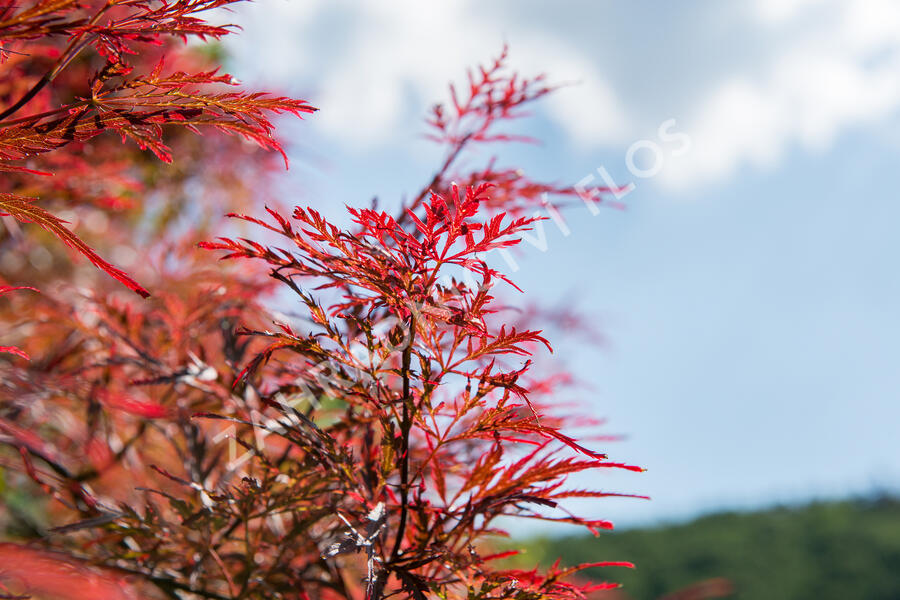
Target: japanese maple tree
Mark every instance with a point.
(366, 443)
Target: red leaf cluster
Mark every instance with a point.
(117, 98)
(369, 443)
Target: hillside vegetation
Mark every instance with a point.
(827, 550)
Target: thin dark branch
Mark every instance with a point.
(435, 180)
(405, 428)
(71, 51)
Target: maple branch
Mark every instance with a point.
(167, 584)
(27, 97)
(438, 177)
(71, 51)
(405, 427)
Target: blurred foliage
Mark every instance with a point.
(826, 550)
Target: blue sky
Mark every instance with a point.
(749, 292)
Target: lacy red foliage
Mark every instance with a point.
(116, 97)
(198, 445)
(437, 436)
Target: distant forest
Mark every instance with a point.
(848, 550)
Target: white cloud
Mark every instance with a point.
(779, 11)
(396, 56)
(808, 97)
(813, 69)
(590, 110)
(825, 76)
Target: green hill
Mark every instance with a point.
(827, 550)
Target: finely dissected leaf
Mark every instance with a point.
(12, 349)
(20, 169)
(23, 209)
(132, 405)
(140, 117)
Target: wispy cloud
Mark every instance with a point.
(370, 64)
(824, 76)
(818, 68)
